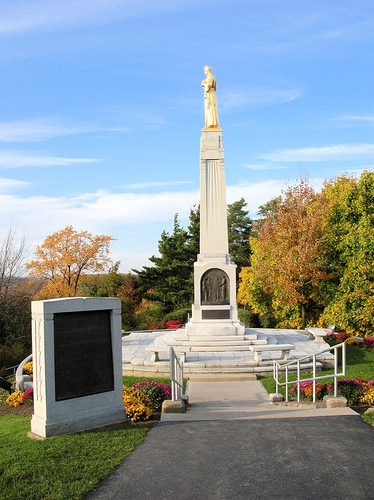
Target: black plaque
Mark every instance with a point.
(215, 314)
(83, 354)
(215, 288)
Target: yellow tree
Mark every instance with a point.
(64, 258)
(348, 225)
(287, 262)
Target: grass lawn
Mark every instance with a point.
(359, 364)
(62, 467)
(369, 418)
(129, 381)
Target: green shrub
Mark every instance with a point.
(12, 355)
(249, 318)
(179, 314)
(155, 394)
(351, 389)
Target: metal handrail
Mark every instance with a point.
(12, 371)
(277, 366)
(176, 376)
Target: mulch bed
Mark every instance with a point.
(24, 410)
(359, 408)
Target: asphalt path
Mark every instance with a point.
(244, 457)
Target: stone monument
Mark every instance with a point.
(214, 311)
(77, 365)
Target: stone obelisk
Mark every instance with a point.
(214, 311)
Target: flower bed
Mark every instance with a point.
(143, 398)
(366, 342)
(356, 391)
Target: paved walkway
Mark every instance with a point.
(232, 444)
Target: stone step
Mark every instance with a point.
(219, 347)
(225, 345)
(216, 338)
(205, 367)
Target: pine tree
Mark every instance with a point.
(171, 277)
(239, 229)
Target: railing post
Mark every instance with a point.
(176, 376)
(336, 365)
(172, 373)
(275, 376)
(286, 383)
(314, 378)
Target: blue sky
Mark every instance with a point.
(102, 108)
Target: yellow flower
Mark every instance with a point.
(28, 368)
(367, 395)
(15, 399)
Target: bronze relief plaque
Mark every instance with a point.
(215, 288)
(83, 354)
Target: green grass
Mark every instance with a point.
(63, 467)
(369, 418)
(129, 381)
(359, 364)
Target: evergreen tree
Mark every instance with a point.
(239, 229)
(171, 277)
(270, 207)
(194, 230)
(112, 282)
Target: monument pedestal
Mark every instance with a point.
(214, 312)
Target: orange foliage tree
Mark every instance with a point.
(287, 264)
(64, 258)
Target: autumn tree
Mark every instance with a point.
(287, 262)
(348, 226)
(130, 303)
(65, 257)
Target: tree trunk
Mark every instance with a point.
(303, 318)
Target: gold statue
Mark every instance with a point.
(210, 99)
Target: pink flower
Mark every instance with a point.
(29, 393)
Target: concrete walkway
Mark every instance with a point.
(232, 444)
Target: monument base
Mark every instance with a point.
(42, 428)
(215, 312)
(220, 327)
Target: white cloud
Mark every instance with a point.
(342, 152)
(40, 15)
(368, 118)
(146, 185)
(257, 96)
(353, 120)
(254, 193)
(39, 129)
(16, 159)
(264, 166)
(11, 184)
(136, 220)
